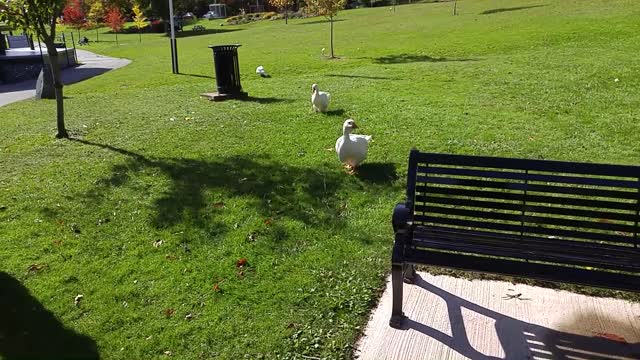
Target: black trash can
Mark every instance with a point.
(225, 58)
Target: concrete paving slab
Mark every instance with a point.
(91, 65)
(454, 318)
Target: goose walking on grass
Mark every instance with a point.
(319, 99)
(351, 148)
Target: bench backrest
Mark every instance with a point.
(19, 41)
(596, 203)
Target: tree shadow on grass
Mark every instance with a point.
(362, 77)
(319, 22)
(336, 112)
(377, 173)
(197, 76)
(413, 58)
(190, 33)
(29, 331)
(499, 10)
(274, 190)
(264, 100)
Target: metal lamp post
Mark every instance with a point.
(174, 46)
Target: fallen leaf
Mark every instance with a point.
(188, 317)
(103, 221)
(168, 353)
(216, 288)
(244, 179)
(35, 267)
(169, 312)
(605, 221)
(612, 337)
(268, 222)
(57, 242)
(77, 299)
(171, 257)
(241, 262)
(218, 205)
(330, 149)
(3, 207)
(251, 236)
(240, 274)
(125, 304)
(149, 337)
(157, 243)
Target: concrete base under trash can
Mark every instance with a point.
(221, 97)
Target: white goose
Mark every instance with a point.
(352, 149)
(319, 99)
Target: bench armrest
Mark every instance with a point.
(401, 219)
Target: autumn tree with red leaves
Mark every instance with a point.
(74, 16)
(115, 20)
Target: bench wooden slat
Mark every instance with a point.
(565, 167)
(556, 273)
(545, 199)
(531, 251)
(601, 193)
(596, 214)
(530, 219)
(522, 176)
(517, 229)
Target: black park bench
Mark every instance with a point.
(548, 220)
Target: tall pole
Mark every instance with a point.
(174, 47)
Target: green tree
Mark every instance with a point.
(96, 16)
(139, 20)
(40, 16)
(328, 9)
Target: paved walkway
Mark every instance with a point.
(92, 65)
(452, 318)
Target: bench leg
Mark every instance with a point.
(409, 271)
(397, 316)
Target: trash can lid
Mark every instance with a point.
(222, 47)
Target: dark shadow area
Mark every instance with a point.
(76, 74)
(499, 10)
(413, 58)
(336, 112)
(319, 22)
(196, 75)
(275, 190)
(362, 77)
(377, 173)
(267, 100)
(29, 331)
(190, 33)
(21, 86)
(522, 340)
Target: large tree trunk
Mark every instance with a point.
(57, 85)
(331, 42)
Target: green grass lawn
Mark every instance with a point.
(212, 183)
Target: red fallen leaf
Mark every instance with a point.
(169, 312)
(241, 262)
(268, 222)
(216, 288)
(218, 205)
(612, 337)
